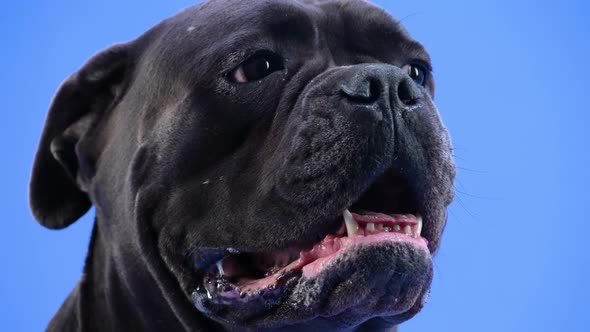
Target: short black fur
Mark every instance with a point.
(185, 166)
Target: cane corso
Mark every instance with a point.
(255, 165)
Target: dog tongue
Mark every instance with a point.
(328, 246)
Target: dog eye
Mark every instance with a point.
(416, 72)
(256, 67)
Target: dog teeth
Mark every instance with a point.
(351, 225)
(220, 267)
(408, 230)
(419, 225)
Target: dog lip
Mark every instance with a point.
(322, 263)
(229, 280)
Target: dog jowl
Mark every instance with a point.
(254, 165)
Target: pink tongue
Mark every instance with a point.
(328, 246)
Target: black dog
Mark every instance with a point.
(224, 151)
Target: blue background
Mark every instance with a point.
(512, 86)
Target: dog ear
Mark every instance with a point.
(56, 194)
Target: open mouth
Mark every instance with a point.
(240, 277)
(250, 276)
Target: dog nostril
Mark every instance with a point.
(361, 91)
(407, 92)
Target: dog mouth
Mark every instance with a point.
(370, 257)
(251, 276)
(386, 213)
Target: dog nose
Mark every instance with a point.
(370, 84)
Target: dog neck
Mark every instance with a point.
(121, 295)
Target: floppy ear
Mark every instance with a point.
(56, 195)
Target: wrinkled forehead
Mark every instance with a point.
(228, 23)
(224, 21)
(213, 29)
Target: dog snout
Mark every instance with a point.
(378, 84)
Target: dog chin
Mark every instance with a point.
(383, 275)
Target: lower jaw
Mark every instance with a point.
(384, 277)
(348, 244)
(309, 265)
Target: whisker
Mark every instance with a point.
(460, 202)
(477, 196)
(409, 16)
(471, 170)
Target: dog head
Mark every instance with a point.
(273, 164)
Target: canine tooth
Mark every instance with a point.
(408, 230)
(351, 225)
(220, 267)
(387, 228)
(397, 228)
(370, 227)
(419, 226)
